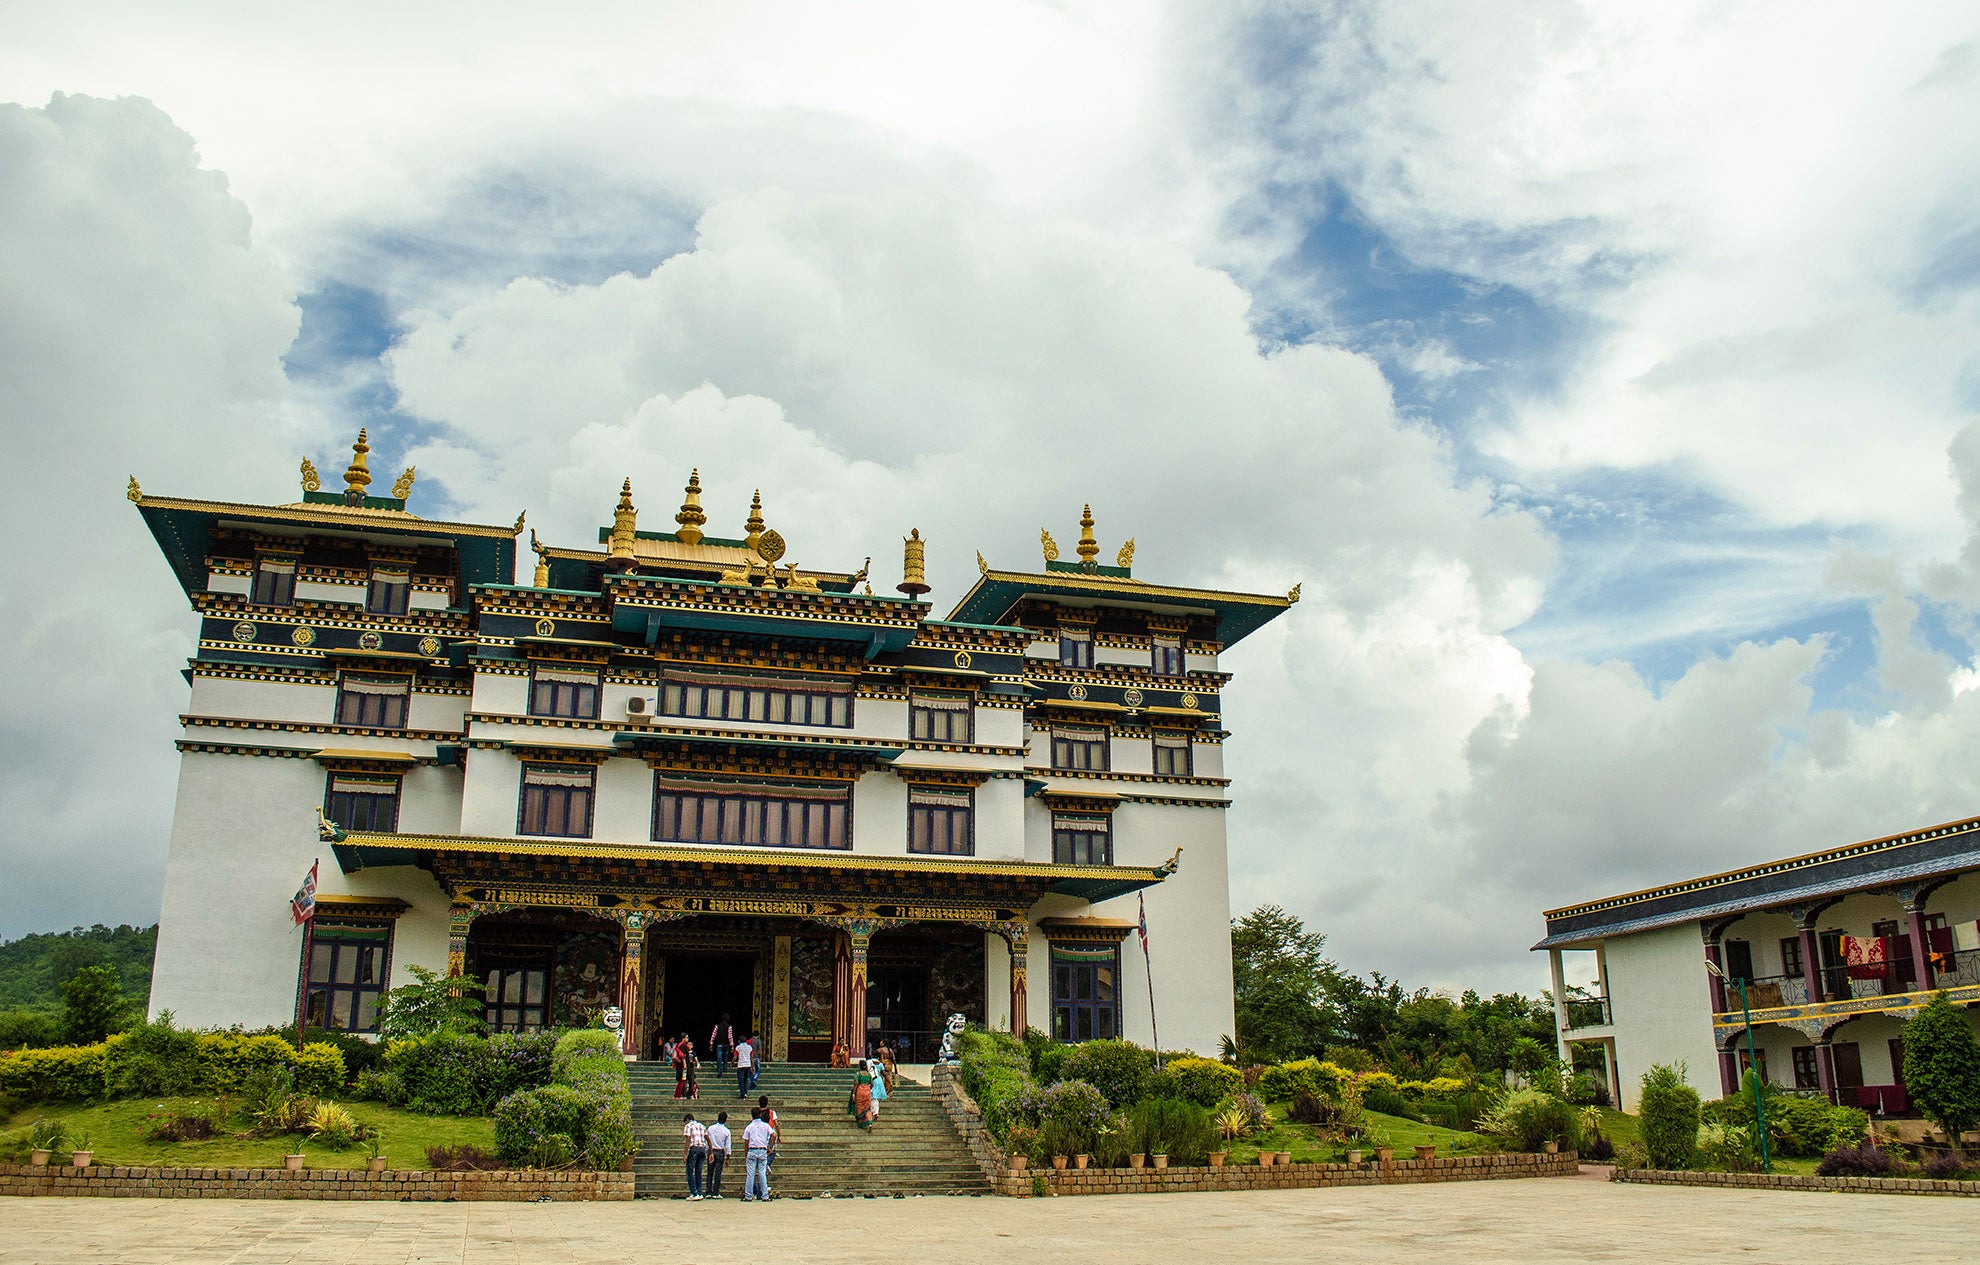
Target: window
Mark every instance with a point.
(517, 996)
(941, 717)
(1847, 1058)
(1082, 841)
(1805, 1075)
(1172, 756)
(1075, 648)
(753, 816)
(1739, 960)
(778, 701)
(1791, 955)
(363, 803)
(1086, 992)
(347, 965)
(1082, 749)
(939, 820)
(1168, 656)
(378, 702)
(556, 800)
(390, 591)
(1746, 1062)
(275, 581)
(562, 692)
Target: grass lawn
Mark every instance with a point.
(1307, 1147)
(116, 1136)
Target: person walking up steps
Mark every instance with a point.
(719, 1143)
(757, 1138)
(694, 1137)
(721, 1040)
(745, 1068)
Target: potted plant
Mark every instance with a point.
(1264, 1158)
(1161, 1159)
(1019, 1140)
(294, 1162)
(1354, 1156)
(375, 1162)
(1550, 1147)
(1018, 1160)
(1082, 1160)
(44, 1136)
(1217, 1158)
(1058, 1163)
(79, 1152)
(1427, 1152)
(1285, 1157)
(1383, 1154)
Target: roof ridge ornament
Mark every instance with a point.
(1089, 548)
(403, 487)
(1051, 546)
(625, 521)
(914, 565)
(132, 492)
(357, 475)
(542, 552)
(753, 525)
(1125, 558)
(311, 480)
(691, 518)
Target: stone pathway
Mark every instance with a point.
(1523, 1221)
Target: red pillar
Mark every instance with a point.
(1825, 1070)
(1811, 964)
(1921, 960)
(856, 993)
(1728, 1073)
(842, 993)
(1717, 958)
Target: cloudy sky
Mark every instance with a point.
(1607, 374)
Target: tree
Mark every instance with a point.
(93, 1005)
(1279, 978)
(1668, 1111)
(1942, 1067)
(431, 1006)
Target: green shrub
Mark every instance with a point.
(319, 1068)
(93, 1005)
(979, 1052)
(1382, 1098)
(1727, 1148)
(588, 1062)
(1942, 1066)
(443, 1075)
(1118, 1069)
(1437, 1089)
(227, 1059)
(152, 1060)
(432, 1005)
(526, 1119)
(522, 1060)
(1070, 1117)
(1796, 1126)
(1322, 1080)
(1669, 1114)
(1204, 1082)
(1007, 1098)
(1170, 1126)
(1114, 1141)
(1527, 1118)
(62, 1073)
(28, 1030)
(385, 1087)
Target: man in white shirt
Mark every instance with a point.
(694, 1136)
(757, 1137)
(745, 1068)
(719, 1142)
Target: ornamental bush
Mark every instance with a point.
(589, 1064)
(1118, 1069)
(1942, 1067)
(1323, 1081)
(1170, 1126)
(1669, 1114)
(152, 1060)
(62, 1073)
(526, 1119)
(979, 1052)
(229, 1058)
(1204, 1082)
(444, 1075)
(1070, 1117)
(1796, 1126)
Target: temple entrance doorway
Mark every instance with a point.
(701, 988)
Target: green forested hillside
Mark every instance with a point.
(34, 967)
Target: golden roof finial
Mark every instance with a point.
(625, 521)
(517, 529)
(311, 480)
(1125, 558)
(691, 518)
(1292, 598)
(914, 565)
(1051, 545)
(542, 552)
(403, 488)
(133, 492)
(982, 567)
(753, 526)
(1089, 548)
(357, 476)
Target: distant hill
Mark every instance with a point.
(34, 967)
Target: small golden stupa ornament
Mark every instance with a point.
(625, 521)
(691, 518)
(753, 526)
(1089, 548)
(914, 565)
(357, 475)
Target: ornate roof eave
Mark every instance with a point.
(996, 593)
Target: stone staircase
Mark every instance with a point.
(912, 1149)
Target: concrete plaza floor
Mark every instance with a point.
(1524, 1221)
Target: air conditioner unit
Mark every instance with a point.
(636, 713)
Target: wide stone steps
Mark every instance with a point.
(911, 1150)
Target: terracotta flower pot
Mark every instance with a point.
(1161, 1161)
(38, 1158)
(1354, 1157)
(1081, 1161)
(80, 1159)
(1217, 1158)
(1383, 1154)
(1285, 1157)
(1018, 1162)
(293, 1163)
(1427, 1152)
(1136, 1161)
(376, 1164)
(1265, 1159)
(1059, 1163)
(1550, 1148)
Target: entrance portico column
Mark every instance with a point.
(460, 916)
(1019, 938)
(858, 939)
(1825, 1069)
(632, 954)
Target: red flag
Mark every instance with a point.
(303, 906)
(1141, 901)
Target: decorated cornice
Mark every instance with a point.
(306, 727)
(1097, 775)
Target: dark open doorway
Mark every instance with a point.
(701, 988)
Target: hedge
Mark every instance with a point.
(156, 1059)
(589, 1101)
(462, 1075)
(1322, 1080)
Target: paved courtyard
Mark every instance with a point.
(1522, 1221)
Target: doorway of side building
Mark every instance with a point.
(701, 988)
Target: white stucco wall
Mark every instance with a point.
(1662, 1007)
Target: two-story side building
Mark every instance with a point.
(680, 775)
(1837, 949)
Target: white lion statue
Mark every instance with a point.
(952, 1037)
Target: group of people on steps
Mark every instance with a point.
(679, 1052)
(710, 1147)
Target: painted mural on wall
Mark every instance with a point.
(587, 976)
(811, 989)
(955, 982)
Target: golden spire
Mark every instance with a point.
(625, 519)
(914, 566)
(691, 518)
(1089, 548)
(753, 526)
(542, 552)
(357, 477)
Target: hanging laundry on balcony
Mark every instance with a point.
(1867, 957)
(1939, 948)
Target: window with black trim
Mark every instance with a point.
(348, 962)
(1791, 955)
(390, 591)
(1079, 749)
(1075, 648)
(940, 820)
(378, 702)
(516, 992)
(773, 700)
(363, 801)
(556, 800)
(1168, 655)
(565, 692)
(753, 815)
(941, 717)
(275, 581)
(1086, 991)
(1082, 840)
(1805, 1075)
(1172, 755)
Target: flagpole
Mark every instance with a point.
(1148, 968)
(302, 993)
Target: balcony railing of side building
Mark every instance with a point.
(1587, 1012)
(1838, 983)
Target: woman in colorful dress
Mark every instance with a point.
(683, 1067)
(860, 1105)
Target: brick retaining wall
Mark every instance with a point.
(319, 1183)
(1132, 1181)
(1798, 1181)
